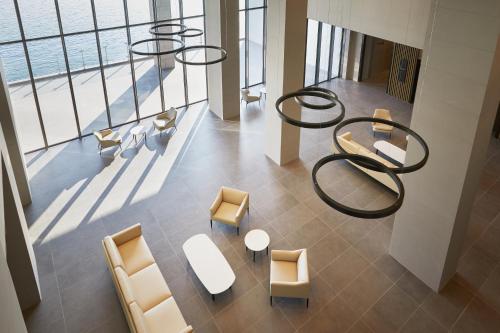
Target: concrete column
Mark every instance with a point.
(352, 56)
(163, 8)
(459, 86)
(222, 29)
(8, 124)
(285, 59)
(20, 254)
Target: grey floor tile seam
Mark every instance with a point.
(58, 291)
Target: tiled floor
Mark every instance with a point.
(356, 286)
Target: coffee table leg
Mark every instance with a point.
(253, 256)
(135, 139)
(213, 297)
(267, 250)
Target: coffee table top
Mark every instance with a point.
(136, 130)
(257, 240)
(209, 264)
(391, 150)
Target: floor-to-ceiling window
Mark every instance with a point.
(323, 54)
(252, 42)
(70, 72)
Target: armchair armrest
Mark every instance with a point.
(283, 255)
(127, 234)
(290, 289)
(188, 329)
(243, 207)
(216, 203)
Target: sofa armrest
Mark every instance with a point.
(283, 255)
(216, 203)
(188, 329)
(127, 234)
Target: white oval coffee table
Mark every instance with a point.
(137, 131)
(257, 240)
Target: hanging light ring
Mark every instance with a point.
(157, 53)
(191, 32)
(301, 101)
(153, 30)
(179, 59)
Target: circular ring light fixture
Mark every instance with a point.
(328, 92)
(178, 57)
(370, 165)
(154, 29)
(191, 32)
(306, 93)
(157, 53)
(358, 159)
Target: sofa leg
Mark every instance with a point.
(210, 224)
(238, 231)
(271, 300)
(307, 302)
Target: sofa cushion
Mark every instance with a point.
(149, 287)
(226, 213)
(165, 317)
(124, 285)
(112, 251)
(283, 271)
(135, 255)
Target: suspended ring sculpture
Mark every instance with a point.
(153, 29)
(311, 93)
(358, 159)
(178, 57)
(397, 170)
(300, 101)
(157, 53)
(191, 32)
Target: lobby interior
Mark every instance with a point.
(433, 266)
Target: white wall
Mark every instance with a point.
(401, 21)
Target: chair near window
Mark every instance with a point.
(379, 127)
(229, 207)
(165, 120)
(107, 138)
(245, 96)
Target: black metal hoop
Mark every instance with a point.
(152, 53)
(304, 124)
(365, 214)
(156, 33)
(397, 170)
(300, 101)
(195, 47)
(197, 32)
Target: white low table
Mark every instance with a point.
(390, 150)
(138, 130)
(257, 240)
(209, 264)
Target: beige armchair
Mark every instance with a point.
(165, 120)
(245, 96)
(289, 275)
(229, 207)
(107, 138)
(379, 127)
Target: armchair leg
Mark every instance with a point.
(238, 231)
(210, 224)
(271, 300)
(307, 302)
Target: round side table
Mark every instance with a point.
(257, 240)
(137, 131)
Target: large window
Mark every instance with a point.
(323, 55)
(70, 71)
(252, 42)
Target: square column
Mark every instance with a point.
(222, 29)
(457, 97)
(285, 59)
(163, 8)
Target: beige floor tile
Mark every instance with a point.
(336, 316)
(422, 322)
(478, 317)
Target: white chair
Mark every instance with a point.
(379, 127)
(245, 96)
(165, 120)
(107, 138)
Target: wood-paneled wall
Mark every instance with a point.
(402, 85)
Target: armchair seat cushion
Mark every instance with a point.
(165, 317)
(283, 271)
(148, 287)
(135, 255)
(226, 213)
(115, 136)
(161, 122)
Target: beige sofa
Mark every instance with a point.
(289, 275)
(229, 207)
(352, 147)
(146, 299)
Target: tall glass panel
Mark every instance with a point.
(109, 13)
(87, 83)
(192, 7)
(53, 90)
(337, 50)
(173, 72)
(242, 49)
(312, 43)
(196, 75)
(255, 45)
(114, 48)
(325, 52)
(255, 3)
(76, 15)
(39, 19)
(21, 97)
(139, 11)
(8, 22)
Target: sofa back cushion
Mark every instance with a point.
(349, 145)
(124, 285)
(113, 254)
(233, 196)
(138, 318)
